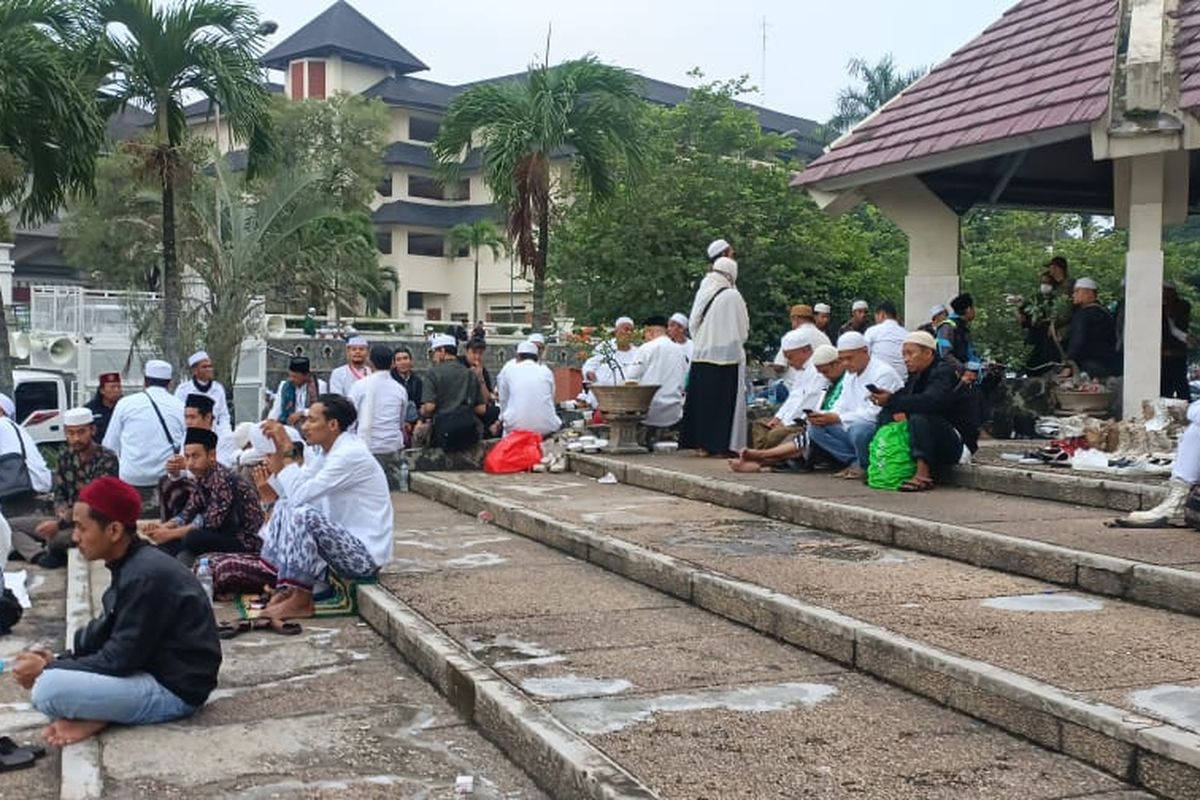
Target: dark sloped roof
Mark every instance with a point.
(204, 108)
(1046, 65)
(128, 122)
(414, 155)
(342, 30)
(411, 92)
(403, 212)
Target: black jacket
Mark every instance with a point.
(102, 415)
(934, 392)
(156, 619)
(1092, 341)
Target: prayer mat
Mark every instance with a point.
(339, 600)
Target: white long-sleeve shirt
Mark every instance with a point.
(382, 404)
(221, 418)
(803, 392)
(302, 399)
(855, 404)
(886, 342)
(526, 390)
(348, 486)
(137, 437)
(628, 360)
(343, 378)
(664, 363)
(12, 437)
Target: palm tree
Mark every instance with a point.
(879, 84)
(477, 235)
(153, 57)
(582, 109)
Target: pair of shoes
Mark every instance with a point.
(50, 559)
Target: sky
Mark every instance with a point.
(808, 42)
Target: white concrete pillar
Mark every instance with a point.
(1142, 205)
(6, 273)
(933, 244)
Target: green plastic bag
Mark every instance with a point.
(891, 458)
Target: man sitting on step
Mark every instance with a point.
(1185, 473)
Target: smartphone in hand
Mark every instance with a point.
(872, 388)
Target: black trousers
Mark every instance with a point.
(934, 440)
(201, 542)
(1173, 380)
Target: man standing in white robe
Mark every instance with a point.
(203, 382)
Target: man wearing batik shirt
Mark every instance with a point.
(45, 541)
(223, 514)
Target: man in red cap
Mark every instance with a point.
(153, 654)
(102, 405)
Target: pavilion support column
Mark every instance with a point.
(1142, 203)
(933, 244)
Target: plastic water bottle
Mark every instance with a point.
(403, 482)
(205, 576)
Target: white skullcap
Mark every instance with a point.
(822, 308)
(716, 248)
(537, 338)
(78, 416)
(196, 357)
(851, 340)
(442, 340)
(825, 354)
(623, 321)
(795, 339)
(860, 305)
(680, 319)
(241, 434)
(293, 434)
(8, 406)
(1087, 283)
(938, 309)
(158, 370)
(527, 349)
(922, 338)
(356, 341)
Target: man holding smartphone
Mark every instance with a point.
(804, 391)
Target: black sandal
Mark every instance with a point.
(14, 756)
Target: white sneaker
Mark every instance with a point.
(1169, 511)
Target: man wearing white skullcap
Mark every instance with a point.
(146, 429)
(1092, 338)
(677, 331)
(844, 432)
(665, 365)
(526, 392)
(614, 361)
(452, 401)
(719, 249)
(821, 314)
(714, 411)
(804, 389)
(355, 369)
(860, 312)
(41, 540)
(202, 382)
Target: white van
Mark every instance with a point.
(41, 399)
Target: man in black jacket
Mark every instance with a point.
(939, 418)
(153, 654)
(1092, 341)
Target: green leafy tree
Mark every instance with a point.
(877, 84)
(478, 235)
(583, 109)
(159, 57)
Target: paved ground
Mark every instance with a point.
(694, 705)
(1118, 652)
(1077, 527)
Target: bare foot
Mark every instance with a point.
(279, 595)
(739, 465)
(850, 473)
(298, 604)
(63, 732)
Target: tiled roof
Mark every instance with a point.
(341, 29)
(413, 93)
(1187, 44)
(415, 155)
(427, 215)
(1045, 65)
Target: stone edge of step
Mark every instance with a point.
(1149, 584)
(1108, 493)
(81, 778)
(561, 761)
(1151, 754)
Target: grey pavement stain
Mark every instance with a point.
(767, 539)
(1177, 704)
(608, 715)
(503, 650)
(472, 561)
(572, 686)
(1047, 603)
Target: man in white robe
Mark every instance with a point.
(804, 392)
(356, 367)
(203, 382)
(885, 339)
(526, 390)
(664, 364)
(677, 329)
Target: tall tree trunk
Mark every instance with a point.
(475, 296)
(540, 317)
(172, 281)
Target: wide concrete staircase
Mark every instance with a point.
(689, 632)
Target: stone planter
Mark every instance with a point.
(623, 407)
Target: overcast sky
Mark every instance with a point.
(808, 42)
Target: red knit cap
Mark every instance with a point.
(114, 498)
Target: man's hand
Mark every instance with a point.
(899, 417)
(295, 418)
(262, 477)
(823, 419)
(46, 528)
(772, 423)
(176, 464)
(880, 398)
(29, 664)
(590, 376)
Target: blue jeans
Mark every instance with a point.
(846, 445)
(135, 699)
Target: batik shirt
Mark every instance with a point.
(72, 474)
(225, 502)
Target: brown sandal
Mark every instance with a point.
(917, 485)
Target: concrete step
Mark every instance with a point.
(1049, 540)
(1061, 486)
(1109, 682)
(689, 703)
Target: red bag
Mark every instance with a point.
(517, 452)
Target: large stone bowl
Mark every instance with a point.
(625, 399)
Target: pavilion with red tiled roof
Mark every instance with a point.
(1029, 115)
